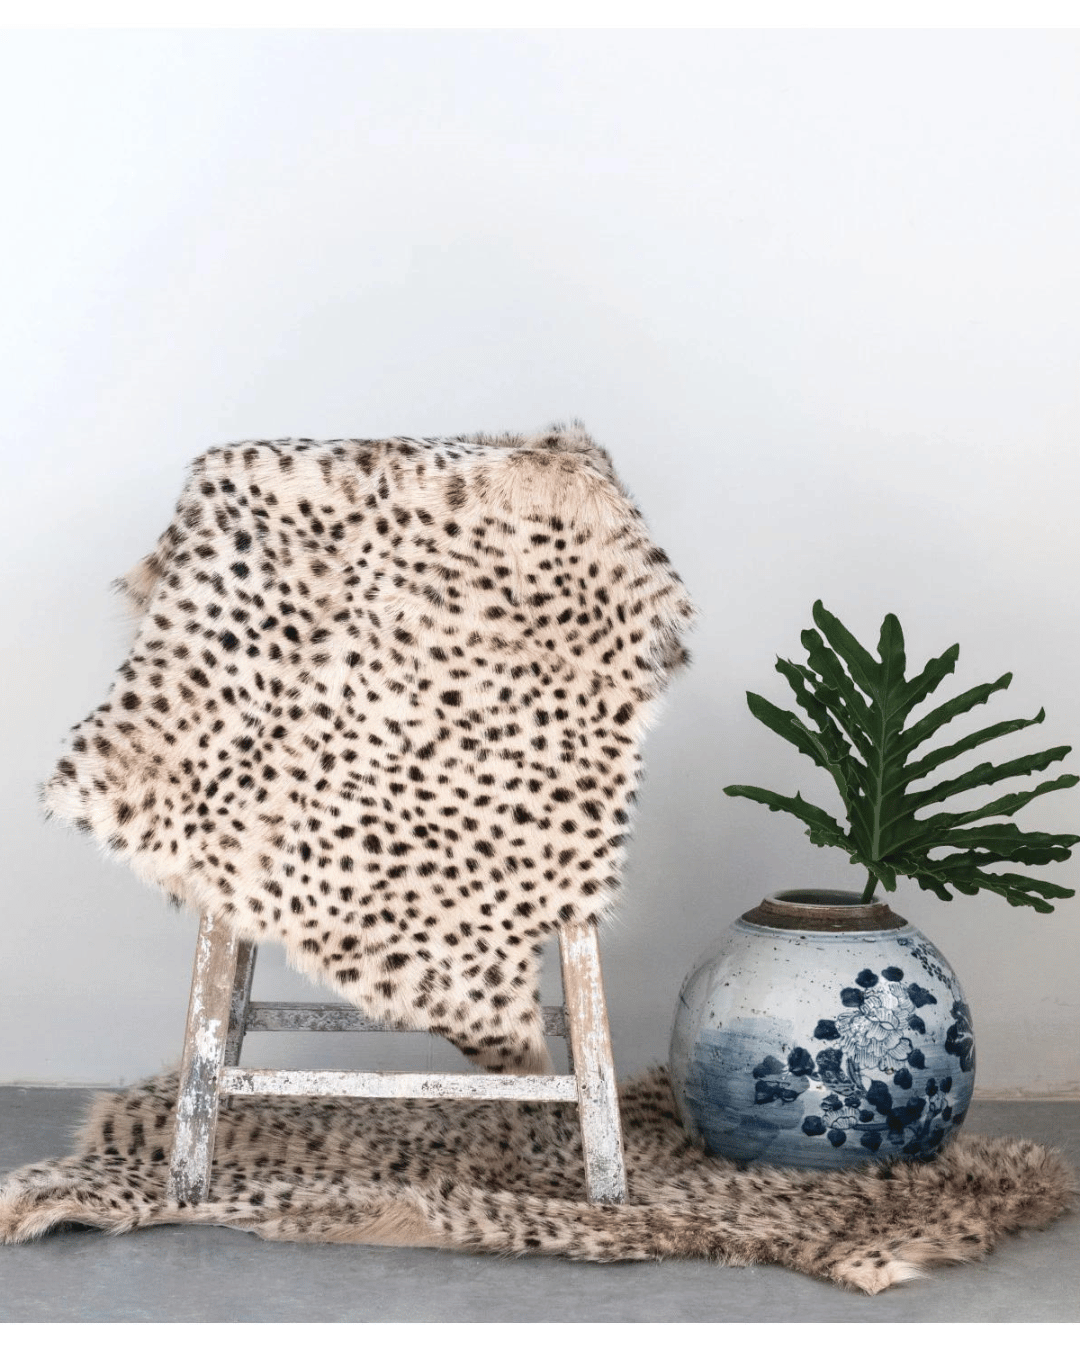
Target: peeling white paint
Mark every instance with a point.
(590, 1043)
(330, 1083)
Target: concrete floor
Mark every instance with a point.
(214, 1275)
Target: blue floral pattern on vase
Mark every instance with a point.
(960, 1040)
(877, 1035)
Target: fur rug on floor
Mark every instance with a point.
(507, 1177)
(384, 705)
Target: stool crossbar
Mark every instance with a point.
(221, 1012)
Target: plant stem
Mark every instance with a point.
(868, 893)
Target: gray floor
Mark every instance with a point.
(213, 1275)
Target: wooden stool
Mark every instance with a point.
(220, 1012)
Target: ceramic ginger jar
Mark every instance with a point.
(822, 1031)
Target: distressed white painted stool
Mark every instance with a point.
(220, 1012)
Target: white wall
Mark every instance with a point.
(817, 292)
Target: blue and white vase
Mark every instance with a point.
(822, 1031)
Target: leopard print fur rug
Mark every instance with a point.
(384, 705)
(508, 1177)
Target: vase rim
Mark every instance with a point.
(826, 896)
(823, 911)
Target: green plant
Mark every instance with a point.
(859, 709)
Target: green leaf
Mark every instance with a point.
(857, 709)
(1004, 842)
(839, 761)
(786, 724)
(859, 744)
(863, 667)
(972, 741)
(893, 659)
(1011, 883)
(824, 830)
(1017, 889)
(934, 826)
(933, 673)
(850, 708)
(985, 774)
(969, 880)
(884, 873)
(803, 685)
(963, 703)
(927, 879)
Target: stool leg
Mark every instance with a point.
(213, 982)
(238, 1005)
(594, 1068)
(238, 1008)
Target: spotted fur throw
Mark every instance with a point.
(384, 705)
(508, 1177)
